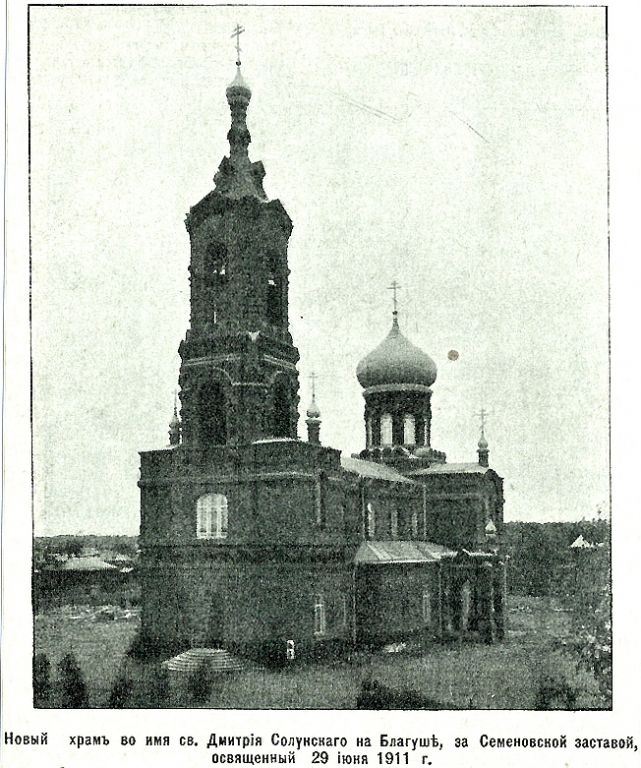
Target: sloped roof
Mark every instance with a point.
(90, 563)
(381, 552)
(372, 469)
(452, 469)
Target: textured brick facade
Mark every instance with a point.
(250, 537)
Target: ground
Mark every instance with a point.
(469, 676)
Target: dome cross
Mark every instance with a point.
(394, 287)
(483, 414)
(237, 33)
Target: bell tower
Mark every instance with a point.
(238, 376)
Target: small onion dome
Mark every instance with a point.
(175, 421)
(490, 528)
(313, 412)
(483, 444)
(396, 361)
(238, 84)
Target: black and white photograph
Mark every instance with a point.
(318, 356)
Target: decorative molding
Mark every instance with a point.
(397, 388)
(277, 361)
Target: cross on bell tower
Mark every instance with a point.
(237, 33)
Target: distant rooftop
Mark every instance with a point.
(275, 440)
(452, 469)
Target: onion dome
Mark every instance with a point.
(239, 86)
(483, 444)
(313, 412)
(237, 176)
(396, 361)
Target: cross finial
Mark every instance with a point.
(483, 414)
(312, 377)
(394, 287)
(237, 33)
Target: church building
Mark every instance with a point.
(256, 541)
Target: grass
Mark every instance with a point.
(469, 676)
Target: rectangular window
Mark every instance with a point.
(211, 516)
(345, 606)
(320, 503)
(394, 523)
(427, 608)
(319, 615)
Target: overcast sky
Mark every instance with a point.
(459, 151)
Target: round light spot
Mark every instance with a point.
(452, 354)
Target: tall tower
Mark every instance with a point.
(238, 375)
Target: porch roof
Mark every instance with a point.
(382, 552)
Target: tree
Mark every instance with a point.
(73, 690)
(162, 685)
(589, 608)
(120, 692)
(41, 680)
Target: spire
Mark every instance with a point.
(483, 449)
(237, 176)
(174, 424)
(313, 419)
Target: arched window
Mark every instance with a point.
(386, 429)
(319, 615)
(368, 429)
(415, 524)
(371, 521)
(281, 419)
(409, 430)
(212, 415)
(216, 265)
(211, 516)
(274, 291)
(394, 523)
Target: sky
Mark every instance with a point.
(459, 151)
